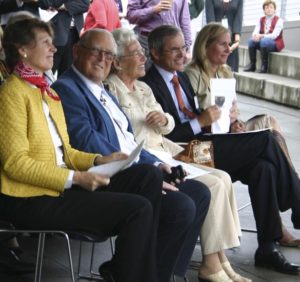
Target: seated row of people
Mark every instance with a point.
(45, 183)
(39, 165)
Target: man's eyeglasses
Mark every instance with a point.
(177, 50)
(108, 55)
(136, 53)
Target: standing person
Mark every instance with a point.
(149, 14)
(102, 14)
(195, 8)
(255, 159)
(8, 7)
(221, 228)
(44, 181)
(67, 24)
(266, 37)
(230, 14)
(97, 124)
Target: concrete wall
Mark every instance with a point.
(291, 35)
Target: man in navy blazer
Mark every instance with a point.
(97, 124)
(255, 159)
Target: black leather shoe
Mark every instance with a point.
(105, 271)
(11, 263)
(276, 261)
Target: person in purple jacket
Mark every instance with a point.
(149, 14)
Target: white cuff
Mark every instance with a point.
(69, 181)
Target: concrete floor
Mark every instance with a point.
(56, 264)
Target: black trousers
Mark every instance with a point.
(256, 159)
(132, 207)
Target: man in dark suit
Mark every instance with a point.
(10, 6)
(255, 159)
(96, 123)
(67, 24)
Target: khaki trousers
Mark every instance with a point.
(221, 228)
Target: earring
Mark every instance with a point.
(25, 56)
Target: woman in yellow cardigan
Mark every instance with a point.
(45, 183)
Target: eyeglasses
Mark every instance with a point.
(136, 53)
(108, 55)
(177, 50)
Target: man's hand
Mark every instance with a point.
(208, 116)
(116, 156)
(163, 5)
(90, 181)
(156, 119)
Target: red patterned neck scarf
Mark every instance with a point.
(31, 76)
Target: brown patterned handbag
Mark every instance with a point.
(199, 152)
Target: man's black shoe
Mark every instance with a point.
(105, 271)
(11, 263)
(276, 261)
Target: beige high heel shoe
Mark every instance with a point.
(232, 274)
(220, 276)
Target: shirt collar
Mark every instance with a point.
(93, 87)
(167, 76)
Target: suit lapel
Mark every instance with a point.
(164, 92)
(92, 100)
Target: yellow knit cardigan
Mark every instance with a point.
(27, 153)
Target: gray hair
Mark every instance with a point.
(157, 36)
(123, 37)
(85, 38)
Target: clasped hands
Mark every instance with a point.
(156, 119)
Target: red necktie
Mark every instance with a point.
(180, 101)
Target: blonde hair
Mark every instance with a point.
(208, 35)
(269, 2)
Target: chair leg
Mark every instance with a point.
(112, 245)
(39, 257)
(70, 256)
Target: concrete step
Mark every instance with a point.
(279, 89)
(285, 63)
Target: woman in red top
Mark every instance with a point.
(102, 14)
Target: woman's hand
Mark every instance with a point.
(90, 181)
(116, 156)
(234, 112)
(238, 126)
(156, 119)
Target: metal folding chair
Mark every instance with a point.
(93, 239)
